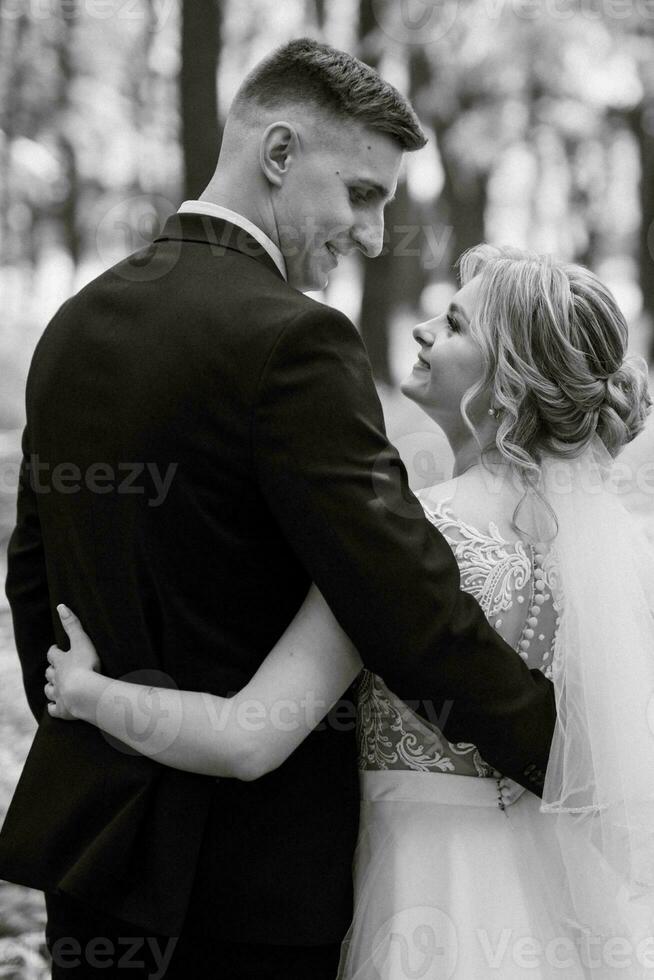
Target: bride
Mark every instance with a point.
(458, 872)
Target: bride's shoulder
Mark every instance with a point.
(438, 496)
(479, 499)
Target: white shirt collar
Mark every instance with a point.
(217, 211)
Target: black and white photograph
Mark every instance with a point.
(327, 489)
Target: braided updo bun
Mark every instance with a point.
(626, 405)
(554, 343)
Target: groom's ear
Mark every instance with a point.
(278, 149)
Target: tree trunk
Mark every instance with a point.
(466, 206)
(393, 280)
(201, 131)
(320, 13)
(396, 278)
(463, 202)
(367, 24)
(375, 300)
(12, 80)
(68, 207)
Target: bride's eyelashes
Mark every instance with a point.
(452, 323)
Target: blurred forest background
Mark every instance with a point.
(541, 124)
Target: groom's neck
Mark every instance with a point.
(224, 194)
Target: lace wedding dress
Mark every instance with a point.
(452, 868)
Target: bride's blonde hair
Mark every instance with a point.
(554, 344)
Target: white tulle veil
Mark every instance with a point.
(600, 777)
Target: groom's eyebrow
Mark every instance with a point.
(380, 191)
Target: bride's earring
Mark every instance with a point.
(493, 412)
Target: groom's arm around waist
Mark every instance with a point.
(340, 493)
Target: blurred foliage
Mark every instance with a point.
(541, 121)
(541, 118)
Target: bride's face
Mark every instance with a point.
(449, 358)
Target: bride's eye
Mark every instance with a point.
(452, 324)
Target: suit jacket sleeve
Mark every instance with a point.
(27, 590)
(340, 493)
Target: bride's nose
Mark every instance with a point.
(424, 333)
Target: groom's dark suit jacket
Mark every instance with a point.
(195, 354)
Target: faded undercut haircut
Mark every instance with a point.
(306, 72)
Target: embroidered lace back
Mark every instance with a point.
(515, 585)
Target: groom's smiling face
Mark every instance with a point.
(339, 177)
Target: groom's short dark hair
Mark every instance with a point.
(308, 72)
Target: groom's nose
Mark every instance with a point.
(368, 234)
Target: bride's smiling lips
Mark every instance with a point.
(422, 363)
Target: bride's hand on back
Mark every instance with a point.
(68, 670)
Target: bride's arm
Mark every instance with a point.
(244, 736)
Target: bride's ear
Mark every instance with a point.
(278, 149)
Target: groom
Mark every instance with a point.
(201, 359)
